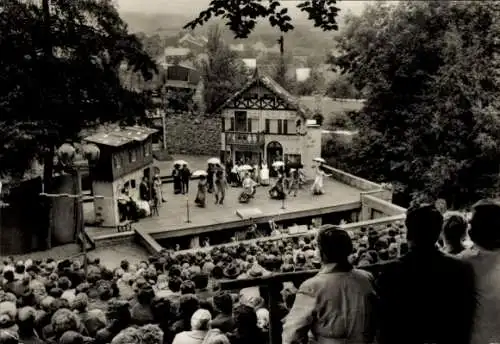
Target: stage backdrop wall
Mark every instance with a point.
(24, 222)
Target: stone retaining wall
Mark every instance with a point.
(193, 134)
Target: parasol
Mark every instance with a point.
(245, 168)
(180, 162)
(199, 173)
(214, 161)
(320, 160)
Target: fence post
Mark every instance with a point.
(273, 299)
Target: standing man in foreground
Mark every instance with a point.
(336, 305)
(485, 260)
(426, 296)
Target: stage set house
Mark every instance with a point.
(264, 123)
(126, 157)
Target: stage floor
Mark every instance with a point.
(172, 218)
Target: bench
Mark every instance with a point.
(124, 226)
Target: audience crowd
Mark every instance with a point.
(175, 297)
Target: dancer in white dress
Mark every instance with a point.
(317, 187)
(264, 175)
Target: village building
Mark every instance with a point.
(264, 123)
(125, 159)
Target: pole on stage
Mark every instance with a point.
(188, 220)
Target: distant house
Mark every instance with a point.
(275, 49)
(175, 54)
(237, 47)
(193, 42)
(302, 74)
(250, 63)
(259, 47)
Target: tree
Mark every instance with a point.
(154, 45)
(342, 88)
(242, 18)
(312, 85)
(222, 73)
(430, 123)
(59, 74)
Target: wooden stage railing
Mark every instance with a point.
(271, 287)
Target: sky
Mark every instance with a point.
(193, 7)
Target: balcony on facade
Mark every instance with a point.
(244, 138)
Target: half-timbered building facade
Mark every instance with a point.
(263, 123)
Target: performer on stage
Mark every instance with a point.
(157, 191)
(294, 182)
(220, 186)
(185, 176)
(176, 174)
(317, 187)
(210, 177)
(201, 196)
(277, 191)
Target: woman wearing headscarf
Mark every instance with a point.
(200, 325)
(26, 323)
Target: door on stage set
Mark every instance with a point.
(274, 153)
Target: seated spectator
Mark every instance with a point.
(246, 330)
(454, 233)
(223, 305)
(200, 324)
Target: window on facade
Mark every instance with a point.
(223, 124)
(293, 158)
(285, 126)
(147, 149)
(268, 126)
(117, 163)
(280, 126)
(232, 125)
(156, 138)
(241, 121)
(132, 155)
(249, 125)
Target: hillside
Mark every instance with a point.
(163, 24)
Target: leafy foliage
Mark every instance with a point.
(430, 123)
(242, 16)
(55, 83)
(312, 85)
(222, 73)
(341, 87)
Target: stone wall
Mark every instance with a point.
(193, 134)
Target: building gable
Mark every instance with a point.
(263, 93)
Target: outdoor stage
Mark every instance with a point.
(172, 218)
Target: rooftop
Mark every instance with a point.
(173, 51)
(121, 136)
